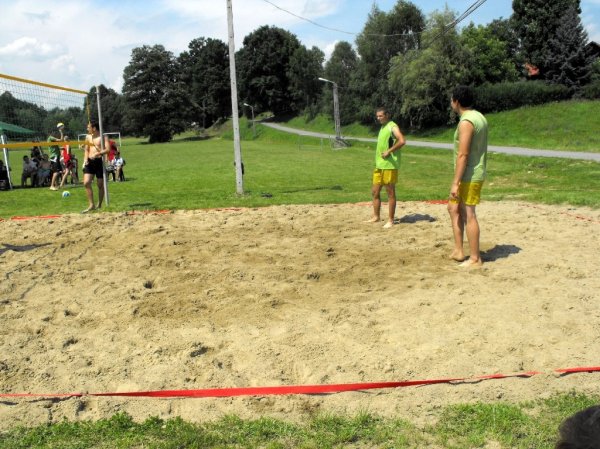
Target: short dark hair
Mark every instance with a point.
(581, 430)
(464, 95)
(382, 109)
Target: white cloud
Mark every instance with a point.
(30, 48)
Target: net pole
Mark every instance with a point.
(104, 177)
(6, 163)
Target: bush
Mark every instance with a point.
(591, 91)
(506, 96)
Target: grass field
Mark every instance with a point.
(287, 169)
(193, 173)
(569, 125)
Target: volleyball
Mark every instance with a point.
(66, 194)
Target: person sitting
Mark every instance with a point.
(44, 171)
(4, 185)
(29, 171)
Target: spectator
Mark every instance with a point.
(44, 171)
(29, 171)
(581, 430)
(118, 163)
(56, 136)
(3, 176)
(69, 168)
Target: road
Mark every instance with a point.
(448, 146)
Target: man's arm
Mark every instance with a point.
(400, 142)
(465, 136)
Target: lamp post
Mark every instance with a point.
(336, 110)
(253, 126)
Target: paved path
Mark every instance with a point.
(447, 146)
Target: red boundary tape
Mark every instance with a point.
(299, 389)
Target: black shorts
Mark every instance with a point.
(55, 166)
(94, 167)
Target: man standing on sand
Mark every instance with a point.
(470, 165)
(387, 163)
(93, 165)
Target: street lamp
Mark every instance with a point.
(336, 110)
(253, 126)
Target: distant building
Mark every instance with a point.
(593, 48)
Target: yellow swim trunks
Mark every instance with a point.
(382, 177)
(469, 193)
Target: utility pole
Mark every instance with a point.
(234, 105)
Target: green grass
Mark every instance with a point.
(569, 126)
(195, 174)
(519, 426)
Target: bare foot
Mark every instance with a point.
(457, 256)
(53, 188)
(388, 225)
(472, 264)
(372, 220)
(85, 211)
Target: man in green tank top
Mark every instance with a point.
(470, 165)
(387, 163)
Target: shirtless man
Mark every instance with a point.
(93, 165)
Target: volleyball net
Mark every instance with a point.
(30, 112)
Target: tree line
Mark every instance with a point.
(401, 59)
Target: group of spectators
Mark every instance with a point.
(60, 165)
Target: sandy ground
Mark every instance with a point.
(293, 295)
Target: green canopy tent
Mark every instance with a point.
(14, 131)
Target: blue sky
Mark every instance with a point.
(81, 43)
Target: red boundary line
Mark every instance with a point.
(298, 389)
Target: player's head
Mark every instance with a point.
(93, 126)
(581, 430)
(382, 115)
(464, 96)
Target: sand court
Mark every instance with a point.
(293, 295)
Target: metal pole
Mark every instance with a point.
(253, 126)
(336, 113)
(237, 148)
(105, 177)
(336, 110)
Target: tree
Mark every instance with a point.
(154, 94)
(339, 69)
(489, 59)
(205, 73)
(569, 62)
(263, 69)
(112, 108)
(384, 36)
(536, 23)
(425, 78)
(304, 69)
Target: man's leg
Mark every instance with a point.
(87, 183)
(472, 228)
(100, 184)
(458, 230)
(391, 193)
(376, 194)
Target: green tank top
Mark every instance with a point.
(477, 161)
(385, 140)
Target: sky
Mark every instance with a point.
(83, 43)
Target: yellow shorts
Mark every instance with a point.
(382, 177)
(469, 193)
